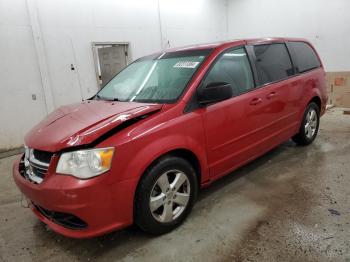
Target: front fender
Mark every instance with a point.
(138, 146)
(132, 169)
(144, 158)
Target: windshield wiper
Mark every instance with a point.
(105, 98)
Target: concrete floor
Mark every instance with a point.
(290, 205)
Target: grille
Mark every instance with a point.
(34, 165)
(64, 219)
(42, 156)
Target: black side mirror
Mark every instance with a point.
(214, 92)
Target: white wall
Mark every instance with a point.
(192, 21)
(19, 75)
(325, 23)
(67, 28)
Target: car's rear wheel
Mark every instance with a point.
(309, 127)
(165, 195)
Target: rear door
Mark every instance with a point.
(275, 73)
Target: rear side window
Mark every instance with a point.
(304, 56)
(232, 67)
(272, 63)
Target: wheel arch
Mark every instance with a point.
(317, 100)
(314, 97)
(190, 157)
(184, 153)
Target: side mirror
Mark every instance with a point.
(214, 92)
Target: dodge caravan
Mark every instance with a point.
(165, 126)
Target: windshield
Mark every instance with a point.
(157, 79)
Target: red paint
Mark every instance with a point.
(222, 136)
(82, 123)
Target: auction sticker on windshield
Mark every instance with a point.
(186, 64)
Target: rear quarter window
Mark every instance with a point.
(303, 56)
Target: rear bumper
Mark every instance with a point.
(102, 205)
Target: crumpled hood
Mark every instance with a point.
(82, 123)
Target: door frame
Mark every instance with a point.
(96, 45)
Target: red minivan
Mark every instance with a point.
(167, 125)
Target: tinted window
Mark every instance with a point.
(232, 67)
(272, 63)
(304, 56)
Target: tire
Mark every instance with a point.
(165, 195)
(309, 126)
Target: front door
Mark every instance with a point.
(228, 124)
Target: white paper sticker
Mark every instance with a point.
(186, 64)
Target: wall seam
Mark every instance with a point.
(160, 26)
(227, 14)
(40, 53)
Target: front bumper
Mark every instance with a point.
(103, 205)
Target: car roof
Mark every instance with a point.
(220, 44)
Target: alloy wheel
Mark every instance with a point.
(311, 123)
(169, 196)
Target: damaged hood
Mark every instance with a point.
(82, 123)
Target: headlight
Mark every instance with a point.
(86, 163)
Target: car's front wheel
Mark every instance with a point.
(165, 195)
(309, 127)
